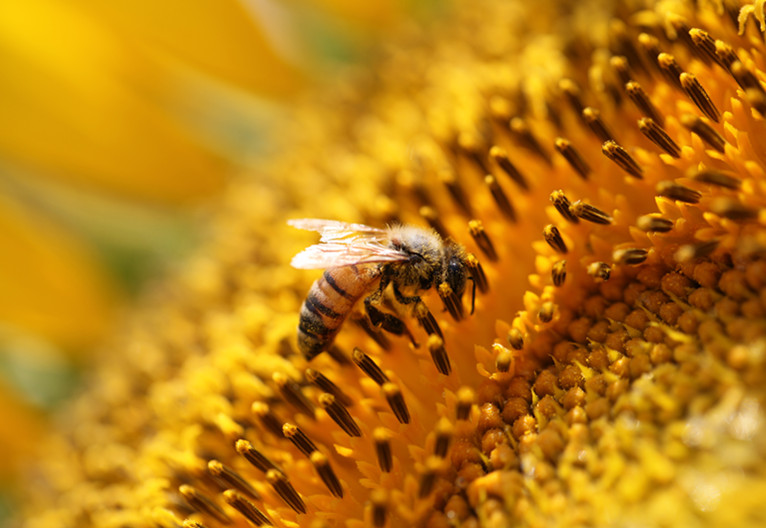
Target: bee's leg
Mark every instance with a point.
(388, 322)
(421, 311)
(404, 299)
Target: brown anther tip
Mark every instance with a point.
(545, 314)
(292, 393)
(705, 44)
(691, 252)
(439, 354)
(500, 157)
(285, 490)
(732, 209)
(262, 411)
(326, 473)
(452, 302)
(592, 118)
(527, 139)
(246, 508)
(379, 501)
(620, 156)
(654, 224)
(255, 457)
(670, 68)
(705, 131)
(450, 181)
(190, 523)
(718, 178)
(298, 438)
(444, 432)
(554, 239)
(477, 273)
(657, 135)
(621, 67)
(678, 192)
(561, 203)
(430, 215)
(642, 101)
(630, 256)
(339, 414)
(516, 339)
(565, 148)
(589, 213)
(231, 478)
(433, 467)
(202, 503)
(559, 273)
(368, 366)
(699, 96)
(427, 320)
(479, 235)
(395, 399)
(382, 438)
(501, 199)
(466, 398)
(601, 271)
(326, 385)
(503, 358)
(572, 92)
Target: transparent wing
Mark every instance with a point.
(335, 231)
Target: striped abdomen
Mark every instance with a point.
(327, 304)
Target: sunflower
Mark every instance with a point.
(602, 163)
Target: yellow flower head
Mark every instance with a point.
(603, 165)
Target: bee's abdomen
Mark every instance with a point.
(327, 304)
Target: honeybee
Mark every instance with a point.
(361, 260)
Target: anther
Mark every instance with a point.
(285, 490)
(428, 477)
(452, 302)
(427, 320)
(553, 237)
(650, 46)
(573, 95)
(368, 366)
(202, 503)
(299, 439)
(670, 68)
(379, 501)
(678, 192)
(642, 102)
(630, 256)
(718, 178)
(561, 203)
(744, 77)
(439, 354)
(732, 209)
(705, 45)
(395, 399)
(471, 147)
(527, 139)
(339, 414)
(326, 385)
(255, 457)
(503, 358)
(657, 135)
(601, 271)
(726, 54)
(621, 68)
(373, 332)
(245, 507)
(699, 96)
(476, 229)
(501, 199)
(450, 181)
(589, 213)
(565, 148)
(382, 439)
(292, 394)
(444, 432)
(559, 272)
(545, 314)
(267, 419)
(326, 473)
(706, 132)
(691, 252)
(592, 118)
(466, 399)
(189, 523)
(516, 339)
(620, 156)
(231, 478)
(500, 156)
(654, 224)
(477, 272)
(757, 99)
(430, 215)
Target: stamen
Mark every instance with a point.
(430, 215)
(501, 199)
(500, 156)
(631, 256)
(503, 358)
(558, 273)
(678, 192)
(466, 399)
(726, 54)
(744, 77)
(395, 399)
(621, 68)
(299, 439)
(202, 503)
(650, 45)
(590, 213)
(439, 354)
(654, 224)
(670, 68)
(382, 438)
(339, 414)
(476, 228)
(255, 457)
(450, 181)
(527, 139)
(561, 203)
(691, 252)
(246, 508)
(369, 367)
(565, 148)
(658, 136)
(379, 501)
(285, 490)
(231, 478)
(706, 45)
(706, 132)
(642, 102)
(592, 118)
(699, 96)
(553, 237)
(267, 419)
(428, 477)
(573, 95)
(373, 332)
(444, 432)
(545, 314)
(427, 320)
(516, 338)
(189, 523)
(732, 209)
(620, 156)
(326, 385)
(718, 178)
(326, 473)
(452, 302)
(471, 147)
(292, 394)
(601, 271)
(477, 272)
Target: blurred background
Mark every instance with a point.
(120, 122)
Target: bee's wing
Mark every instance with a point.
(341, 232)
(335, 254)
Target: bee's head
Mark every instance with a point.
(456, 274)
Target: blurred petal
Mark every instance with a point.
(27, 427)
